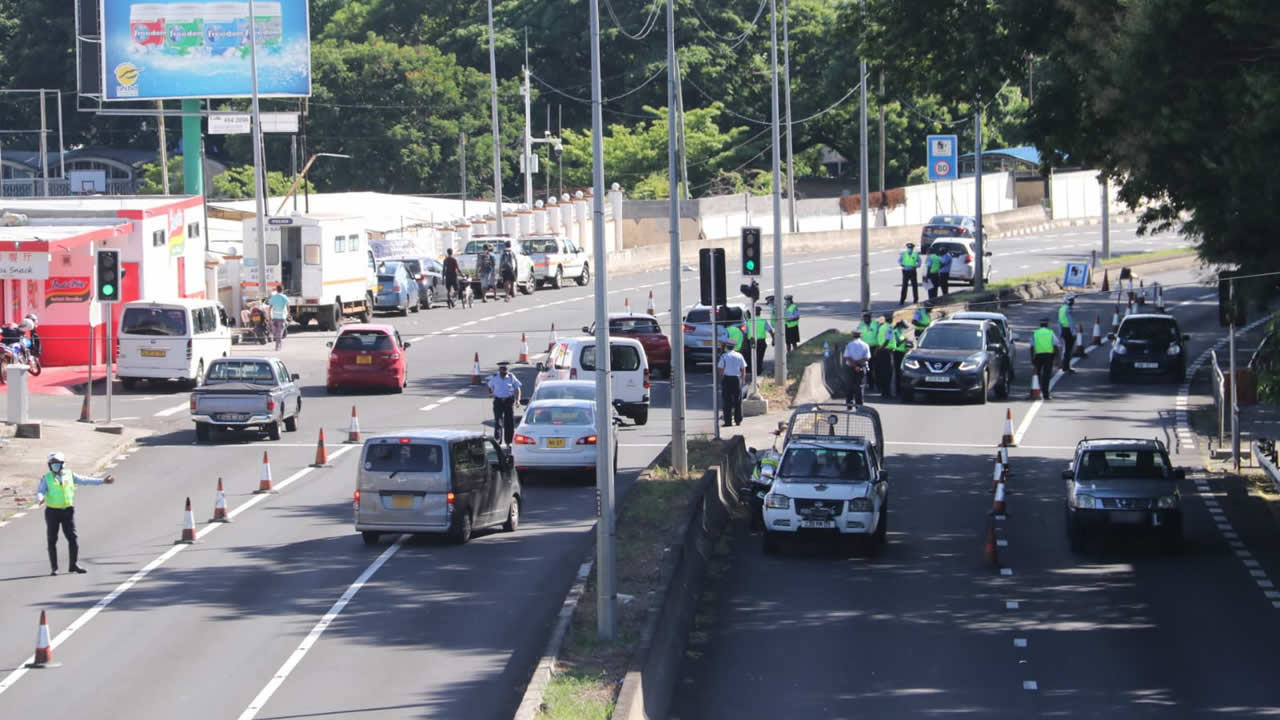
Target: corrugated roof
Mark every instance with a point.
(1025, 153)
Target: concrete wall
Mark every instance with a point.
(1079, 194)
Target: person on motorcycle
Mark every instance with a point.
(35, 336)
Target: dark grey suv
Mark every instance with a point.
(959, 357)
(1123, 482)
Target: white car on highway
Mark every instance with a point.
(558, 436)
(962, 251)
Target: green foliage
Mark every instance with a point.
(238, 183)
(153, 179)
(918, 176)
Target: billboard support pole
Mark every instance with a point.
(192, 164)
(259, 192)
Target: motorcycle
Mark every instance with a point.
(762, 476)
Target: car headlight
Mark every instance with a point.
(1168, 502)
(971, 364)
(1120, 349)
(777, 501)
(910, 364)
(861, 505)
(1086, 502)
(1173, 350)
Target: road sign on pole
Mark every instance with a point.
(942, 156)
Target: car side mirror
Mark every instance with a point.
(1179, 473)
(524, 402)
(540, 367)
(1068, 475)
(586, 329)
(406, 346)
(1186, 338)
(884, 475)
(329, 344)
(1111, 336)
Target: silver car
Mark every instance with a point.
(963, 252)
(1122, 482)
(559, 436)
(697, 329)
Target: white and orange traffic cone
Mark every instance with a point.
(44, 653)
(524, 350)
(1035, 386)
(1142, 293)
(991, 553)
(1079, 349)
(626, 305)
(998, 504)
(1115, 317)
(1159, 290)
(1128, 309)
(353, 429)
(475, 369)
(84, 406)
(188, 526)
(1097, 330)
(220, 506)
(652, 309)
(1003, 452)
(264, 478)
(554, 339)
(1006, 439)
(322, 452)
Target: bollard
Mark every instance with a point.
(19, 400)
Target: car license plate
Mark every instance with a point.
(704, 343)
(1128, 517)
(555, 442)
(937, 379)
(233, 417)
(364, 359)
(401, 502)
(147, 352)
(1146, 366)
(817, 523)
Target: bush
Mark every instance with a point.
(919, 176)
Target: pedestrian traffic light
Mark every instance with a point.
(108, 276)
(750, 251)
(711, 276)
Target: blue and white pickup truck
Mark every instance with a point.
(240, 393)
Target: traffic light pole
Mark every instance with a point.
(679, 439)
(111, 361)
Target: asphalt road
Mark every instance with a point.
(284, 612)
(926, 629)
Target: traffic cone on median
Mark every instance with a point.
(44, 654)
(998, 505)
(84, 406)
(524, 350)
(220, 506)
(652, 309)
(475, 370)
(1003, 453)
(990, 552)
(264, 480)
(353, 430)
(1006, 439)
(1115, 318)
(188, 527)
(554, 339)
(1106, 282)
(626, 305)
(1159, 296)
(1035, 386)
(322, 453)
(1079, 349)
(1097, 330)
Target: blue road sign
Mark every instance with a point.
(942, 155)
(1077, 275)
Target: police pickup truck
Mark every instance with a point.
(831, 482)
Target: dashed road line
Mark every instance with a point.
(173, 410)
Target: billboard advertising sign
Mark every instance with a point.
(166, 50)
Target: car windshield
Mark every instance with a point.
(248, 371)
(530, 247)
(635, 326)
(831, 465)
(363, 340)
(1149, 329)
(1123, 464)
(565, 392)
(473, 247)
(559, 416)
(947, 220)
(703, 315)
(952, 337)
(154, 321)
(404, 457)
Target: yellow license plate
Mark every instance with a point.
(153, 353)
(402, 502)
(555, 442)
(364, 359)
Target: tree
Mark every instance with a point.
(238, 183)
(153, 178)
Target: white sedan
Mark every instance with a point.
(558, 436)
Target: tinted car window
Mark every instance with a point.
(1151, 329)
(413, 267)
(952, 337)
(240, 371)
(703, 315)
(635, 326)
(559, 416)
(404, 457)
(1100, 464)
(831, 465)
(363, 340)
(154, 321)
(946, 220)
(564, 392)
(953, 249)
(621, 357)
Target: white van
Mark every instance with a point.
(170, 340)
(575, 359)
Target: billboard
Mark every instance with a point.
(167, 50)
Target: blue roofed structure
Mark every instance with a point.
(1024, 159)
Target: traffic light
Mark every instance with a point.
(711, 265)
(108, 276)
(1231, 306)
(751, 251)
(751, 290)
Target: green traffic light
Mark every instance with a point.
(751, 264)
(108, 290)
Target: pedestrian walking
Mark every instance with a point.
(898, 348)
(757, 331)
(451, 271)
(944, 273)
(507, 266)
(504, 388)
(57, 491)
(909, 261)
(1068, 335)
(882, 356)
(856, 358)
(932, 274)
(731, 367)
(1043, 345)
(793, 324)
(485, 268)
(279, 304)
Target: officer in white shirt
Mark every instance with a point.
(504, 388)
(857, 357)
(731, 368)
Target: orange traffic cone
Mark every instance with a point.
(997, 505)
(554, 339)
(524, 350)
(44, 653)
(990, 552)
(1106, 281)
(188, 527)
(1097, 329)
(322, 453)
(1079, 349)
(475, 370)
(220, 506)
(353, 430)
(1035, 386)
(652, 309)
(626, 305)
(1006, 440)
(84, 406)
(1115, 317)
(264, 480)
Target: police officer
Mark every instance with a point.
(870, 334)
(793, 324)
(1043, 345)
(909, 261)
(933, 273)
(856, 358)
(944, 273)
(756, 332)
(882, 355)
(920, 321)
(57, 491)
(1068, 335)
(898, 348)
(504, 388)
(731, 366)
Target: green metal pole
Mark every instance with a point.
(192, 168)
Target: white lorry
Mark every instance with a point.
(323, 261)
(556, 259)
(525, 278)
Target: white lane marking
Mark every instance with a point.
(649, 445)
(469, 323)
(1023, 267)
(19, 514)
(420, 338)
(1011, 605)
(451, 328)
(147, 569)
(314, 636)
(1019, 642)
(461, 391)
(173, 410)
(428, 408)
(1030, 685)
(1006, 571)
(448, 399)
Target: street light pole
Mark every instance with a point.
(679, 440)
(794, 225)
(979, 260)
(864, 273)
(493, 119)
(779, 349)
(259, 192)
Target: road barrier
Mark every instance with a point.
(322, 453)
(264, 479)
(1219, 385)
(353, 429)
(44, 653)
(524, 350)
(1265, 451)
(1006, 439)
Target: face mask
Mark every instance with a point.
(55, 467)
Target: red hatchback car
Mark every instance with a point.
(367, 355)
(645, 328)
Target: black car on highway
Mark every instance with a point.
(1148, 344)
(947, 226)
(959, 357)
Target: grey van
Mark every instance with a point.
(435, 481)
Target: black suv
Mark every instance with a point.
(966, 357)
(1126, 482)
(1149, 344)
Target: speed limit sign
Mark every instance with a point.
(942, 168)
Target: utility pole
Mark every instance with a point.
(606, 577)
(527, 145)
(865, 272)
(462, 170)
(1235, 406)
(794, 225)
(259, 197)
(779, 350)
(979, 260)
(679, 439)
(164, 149)
(686, 192)
(1106, 216)
(493, 120)
(884, 211)
(44, 144)
(560, 160)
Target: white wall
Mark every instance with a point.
(1079, 194)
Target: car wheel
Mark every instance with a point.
(585, 277)
(882, 528)
(370, 538)
(770, 543)
(291, 422)
(1075, 536)
(984, 392)
(273, 431)
(641, 416)
(415, 306)
(428, 298)
(1002, 390)
(513, 515)
(202, 432)
(199, 378)
(404, 311)
(367, 314)
(129, 383)
(331, 319)
(530, 285)
(461, 532)
(557, 282)
(908, 395)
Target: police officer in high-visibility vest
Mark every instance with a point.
(934, 274)
(870, 333)
(1068, 334)
(793, 324)
(898, 348)
(920, 321)
(57, 491)
(758, 329)
(909, 261)
(1043, 345)
(882, 355)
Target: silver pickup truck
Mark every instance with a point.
(240, 393)
(526, 281)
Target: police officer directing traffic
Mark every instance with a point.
(57, 490)
(731, 367)
(909, 261)
(1068, 335)
(759, 328)
(793, 324)
(1043, 345)
(504, 388)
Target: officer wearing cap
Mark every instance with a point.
(57, 491)
(1043, 345)
(793, 324)
(1068, 335)
(909, 261)
(504, 388)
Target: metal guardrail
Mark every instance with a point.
(1219, 396)
(1264, 452)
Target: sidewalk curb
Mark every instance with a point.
(535, 692)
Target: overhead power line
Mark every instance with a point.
(649, 22)
(737, 39)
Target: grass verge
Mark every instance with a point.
(589, 671)
(970, 295)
